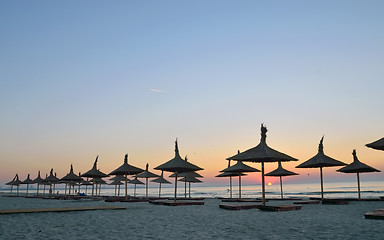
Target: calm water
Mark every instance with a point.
(343, 189)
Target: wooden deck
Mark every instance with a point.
(334, 202)
(177, 203)
(375, 214)
(280, 208)
(308, 202)
(68, 209)
(239, 206)
(241, 200)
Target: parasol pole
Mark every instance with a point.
(358, 183)
(189, 189)
(27, 190)
(239, 185)
(230, 187)
(44, 189)
(175, 186)
(118, 192)
(281, 187)
(146, 188)
(185, 189)
(79, 188)
(100, 189)
(159, 190)
(38, 185)
(86, 188)
(11, 189)
(93, 187)
(115, 189)
(134, 193)
(126, 187)
(17, 190)
(65, 189)
(321, 180)
(263, 182)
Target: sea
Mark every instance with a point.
(369, 189)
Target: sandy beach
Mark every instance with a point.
(148, 221)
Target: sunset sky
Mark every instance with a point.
(86, 78)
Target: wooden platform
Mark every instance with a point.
(334, 202)
(241, 200)
(239, 206)
(308, 202)
(188, 199)
(177, 203)
(375, 214)
(284, 199)
(68, 209)
(280, 208)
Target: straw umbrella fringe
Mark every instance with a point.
(357, 167)
(378, 145)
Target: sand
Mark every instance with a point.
(148, 221)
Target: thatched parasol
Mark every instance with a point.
(38, 180)
(189, 180)
(188, 175)
(135, 181)
(147, 174)
(357, 167)
(321, 160)
(262, 153)
(51, 179)
(11, 183)
(125, 170)
(238, 169)
(161, 180)
(280, 172)
(94, 173)
(27, 181)
(71, 178)
(230, 175)
(378, 145)
(177, 165)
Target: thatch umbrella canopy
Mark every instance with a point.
(262, 153)
(38, 180)
(11, 183)
(378, 145)
(51, 179)
(321, 160)
(161, 180)
(147, 174)
(94, 173)
(70, 178)
(125, 170)
(280, 172)
(116, 182)
(230, 175)
(189, 180)
(188, 175)
(177, 165)
(357, 167)
(27, 181)
(238, 169)
(135, 181)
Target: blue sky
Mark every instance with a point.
(76, 80)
